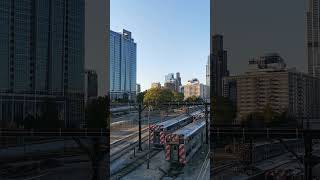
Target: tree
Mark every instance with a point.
(178, 97)
(157, 96)
(97, 117)
(193, 99)
(224, 111)
(254, 120)
(140, 97)
(49, 117)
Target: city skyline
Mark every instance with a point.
(162, 31)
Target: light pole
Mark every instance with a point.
(148, 164)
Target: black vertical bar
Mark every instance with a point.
(206, 117)
(307, 156)
(251, 151)
(140, 111)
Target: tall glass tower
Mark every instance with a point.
(313, 38)
(41, 57)
(123, 65)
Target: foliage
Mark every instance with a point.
(178, 97)
(223, 109)
(48, 118)
(156, 96)
(97, 116)
(269, 118)
(140, 97)
(97, 113)
(194, 99)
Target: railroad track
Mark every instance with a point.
(134, 164)
(127, 148)
(125, 139)
(222, 168)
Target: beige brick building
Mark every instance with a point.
(273, 84)
(195, 88)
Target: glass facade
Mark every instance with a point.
(123, 65)
(42, 55)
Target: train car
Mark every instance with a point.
(160, 130)
(268, 149)
(182, 144)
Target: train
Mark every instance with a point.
(182, 144)
(160, 130)
(267, 149)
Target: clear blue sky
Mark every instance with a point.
(171, 35)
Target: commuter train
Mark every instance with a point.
(265, 150)
(159, 131)
(182, 144)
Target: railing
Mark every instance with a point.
(62, 132)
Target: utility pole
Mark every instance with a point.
(148, 165)
(140, 111)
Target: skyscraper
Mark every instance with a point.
(313, 38)
(178, 77)
(123, 65)
(169, 77)
(42, 56)
(218, 64)
(208, 72)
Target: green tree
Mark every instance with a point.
(49, 117)
(224, 111)
(96, 113)
(178, 97)
(140, 97)
(157, 96)
(254, 120)
(193, 99)
(97, 117)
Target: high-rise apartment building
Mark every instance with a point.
(123, 65)
(268, 82)
(195, 88)
(42, 56)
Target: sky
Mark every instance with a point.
(171, 35)
(254, 27)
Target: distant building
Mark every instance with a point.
(178, 77)
(268, 82)
(218, 65)
(91, 85)
(138, 89)
(156, 85)
(123, 65)
(169, 77)
(170, 85)
(172, 82)
(195, 88)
